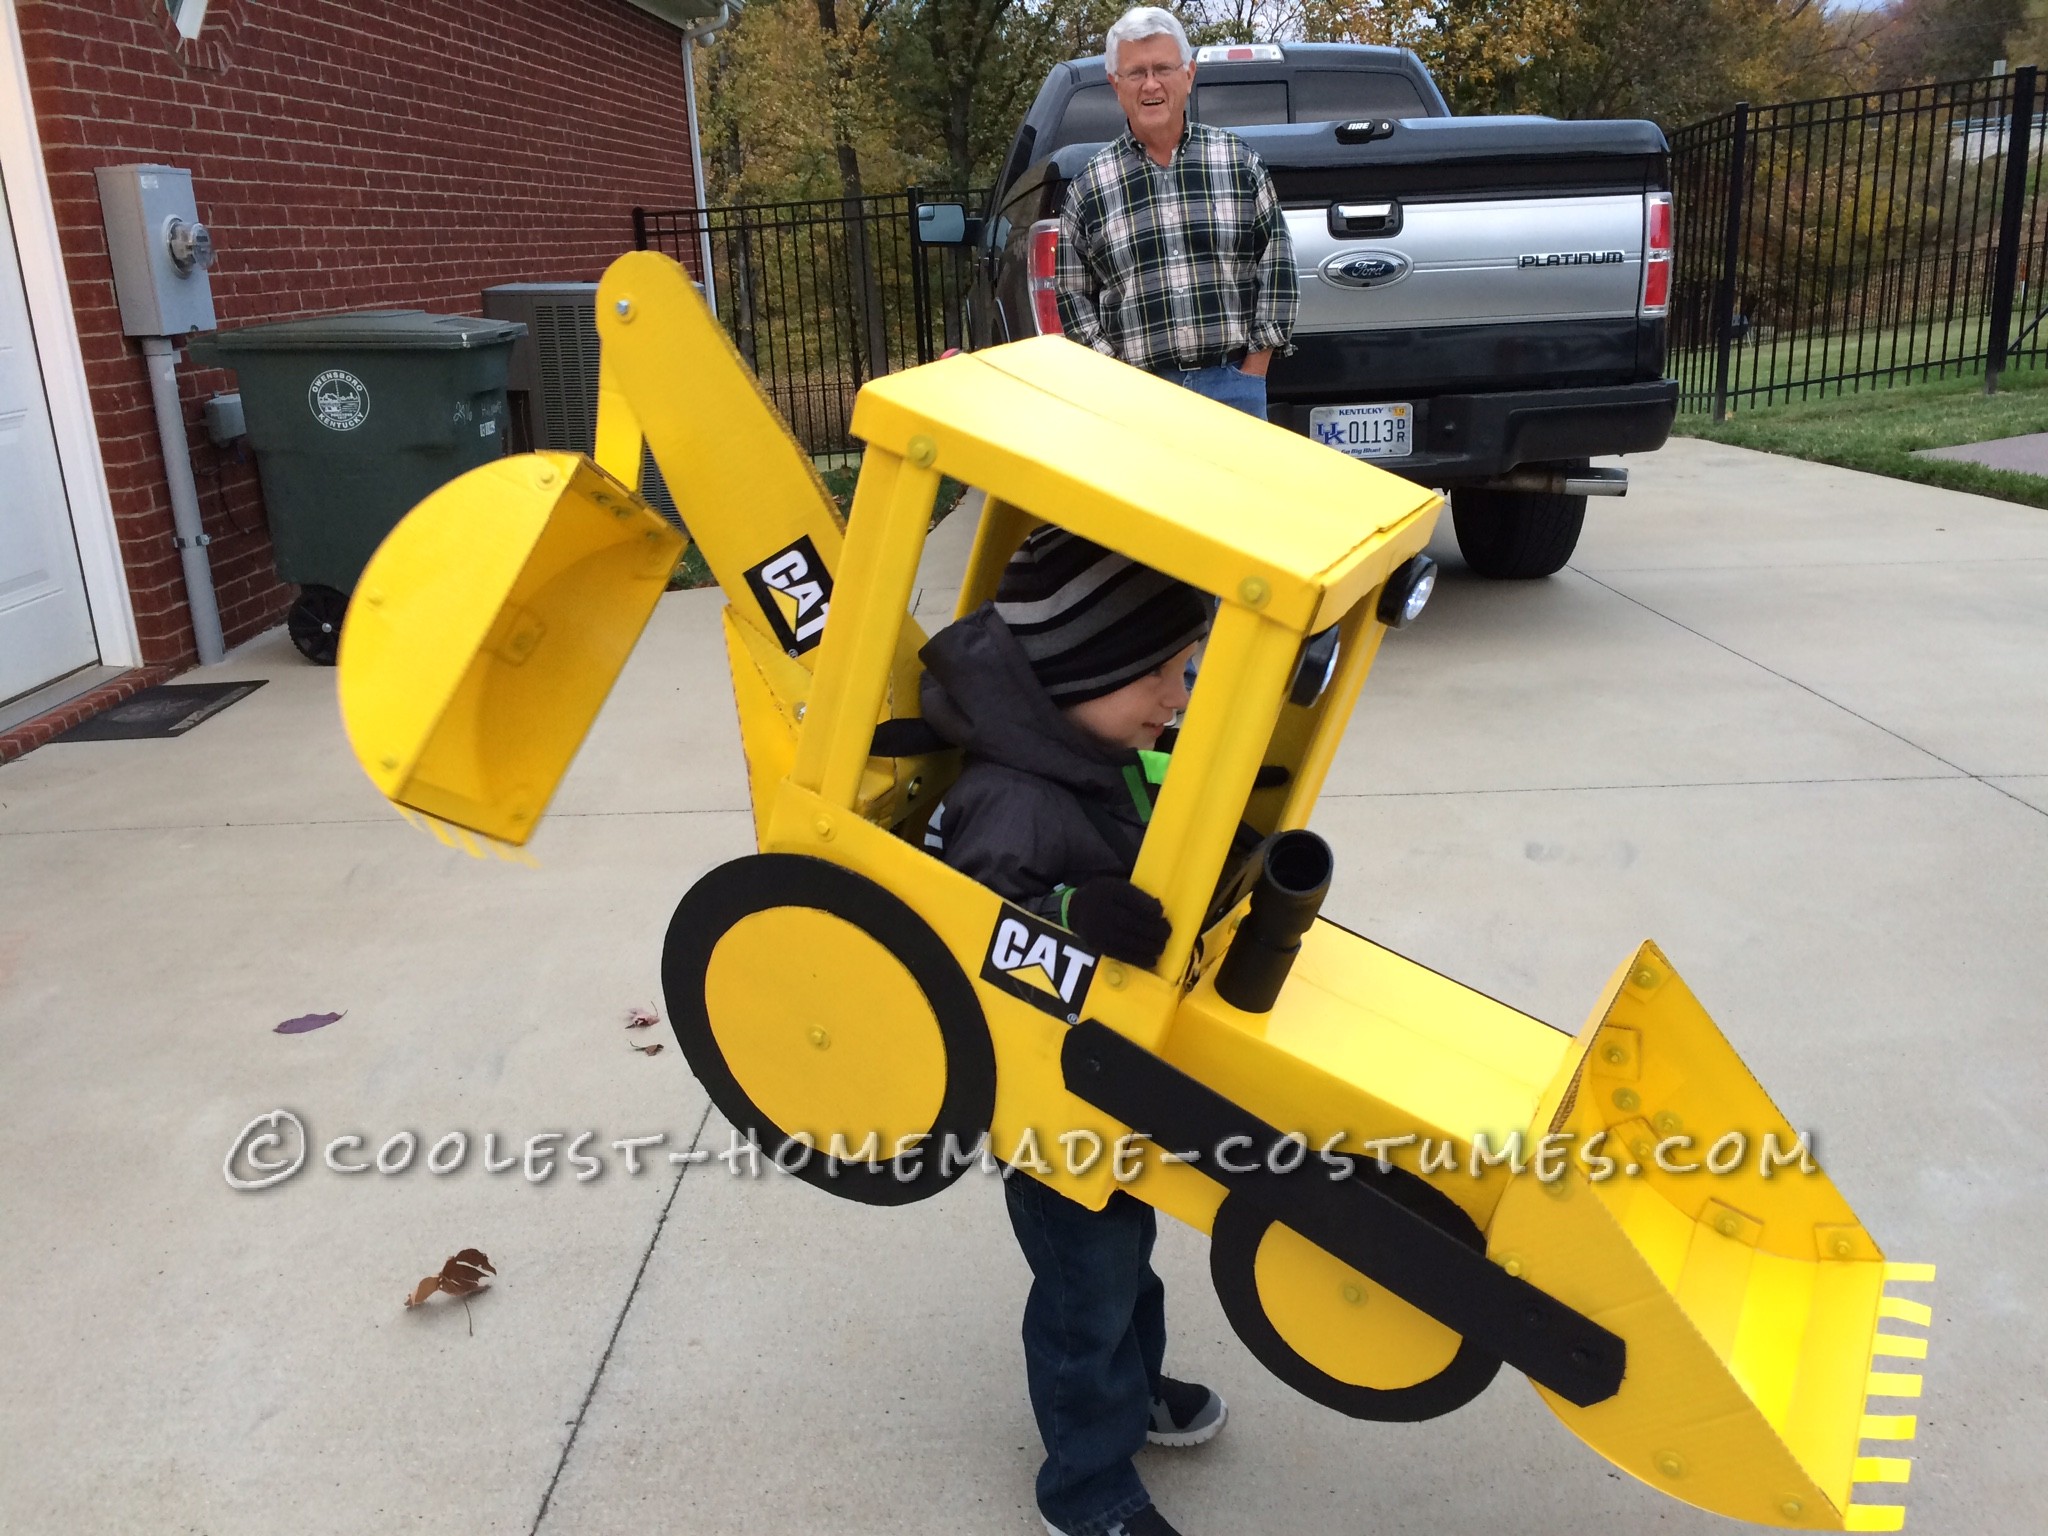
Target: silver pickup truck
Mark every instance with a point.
(1483, 299)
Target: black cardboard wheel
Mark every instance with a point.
(737, 1055)
(1234, 1243)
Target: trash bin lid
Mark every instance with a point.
(399, 330)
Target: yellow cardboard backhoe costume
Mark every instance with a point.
(1712, 1333)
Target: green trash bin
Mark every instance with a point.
(354, 419)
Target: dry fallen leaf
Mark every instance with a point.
(647, 1050)
(641, 1018)
(462, 1276)
(307, 1022)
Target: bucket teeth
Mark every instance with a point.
(1892, 1427)
(476, 844)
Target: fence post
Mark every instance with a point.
(2004, 278)
(1731, 258)
(639, 229)
(920, 297)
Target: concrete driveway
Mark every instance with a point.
(1791, 722)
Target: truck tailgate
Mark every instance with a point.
(1492, 260)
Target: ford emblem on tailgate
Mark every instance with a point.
(1365, 269)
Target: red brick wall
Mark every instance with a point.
(347, 154)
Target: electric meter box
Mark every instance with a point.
(160, 249)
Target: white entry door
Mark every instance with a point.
(45, 625)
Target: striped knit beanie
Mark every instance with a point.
(1091, 621)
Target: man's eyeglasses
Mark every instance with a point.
(1155, 72)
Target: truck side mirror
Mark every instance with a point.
(946, 224)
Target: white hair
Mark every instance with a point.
(1144, 21)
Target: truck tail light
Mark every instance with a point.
(1656, 254)
(1045, 303)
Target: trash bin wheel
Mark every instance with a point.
(826, 1017)
(315, 623)
(1332, 1334)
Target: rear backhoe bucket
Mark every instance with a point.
(500, 611)
(1747, 1291)
(487, 630)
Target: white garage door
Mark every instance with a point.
(45, 626)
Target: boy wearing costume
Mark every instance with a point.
(1059, 691)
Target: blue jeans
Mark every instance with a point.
(1227, 383)
(1094, 1340)
(1230, 385)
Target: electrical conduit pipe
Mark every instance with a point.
(192, 539)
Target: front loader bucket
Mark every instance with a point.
(1747, 1291)
(487, 630)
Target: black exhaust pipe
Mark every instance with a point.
(1293, 880)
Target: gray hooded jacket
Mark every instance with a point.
(1041, 804)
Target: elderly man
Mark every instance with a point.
(1173, 251)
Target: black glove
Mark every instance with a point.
(1113, 917)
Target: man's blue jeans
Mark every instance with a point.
(1094, 1340)
(1230, 385)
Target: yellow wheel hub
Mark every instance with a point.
(825, 1030)
(1342, 1323)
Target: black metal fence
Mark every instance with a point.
(820, 297)
(1822, 246)
(1835, 245)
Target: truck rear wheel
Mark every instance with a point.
(1518, 535)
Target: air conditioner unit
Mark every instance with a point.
(554, 366)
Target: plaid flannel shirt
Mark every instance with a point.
(1176, 266)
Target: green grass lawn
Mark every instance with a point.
(1782, 361)
(1878, 429)
(840, 478)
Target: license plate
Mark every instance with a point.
(1365, 431)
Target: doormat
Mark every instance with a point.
(171, 709)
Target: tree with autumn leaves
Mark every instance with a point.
(835, 100)
(815, 98)
(830, 98)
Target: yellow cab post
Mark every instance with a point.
(1406, 1184)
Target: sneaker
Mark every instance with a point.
(1146, 1522)
(1185, 1413)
